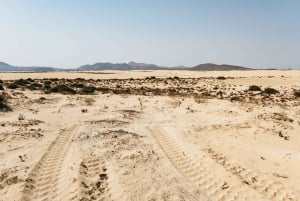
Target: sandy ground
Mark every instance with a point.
(135, 147)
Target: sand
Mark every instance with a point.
(153, 145)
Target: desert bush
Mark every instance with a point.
(80, 79)
(47, 82)
(1, 81)
(3, 104)
(84, 110)
(254, 88)
(21, 82)
(89, 101)
(221, 78)
(1, 87)
(234, 98)
(78, 85)
(103, 89)
(21, 117)
(12, 86)
(29, 80)
(270, 90)
(41, 100)
(63, 89)
(34, 86)
(47, 85)
(157, 92)
(150, 78)
(88, 90)
(297, 94)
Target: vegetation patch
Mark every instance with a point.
(254, 88)
(270, 90)
(88, 90)
(221, 78)
(78, 85)
(12, 86)
(21, 82)
(34, 86)
(3, 103)
(297, 94)
(63, 89)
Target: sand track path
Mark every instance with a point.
(43, 180)
(213, 185)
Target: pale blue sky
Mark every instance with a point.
(253, 33)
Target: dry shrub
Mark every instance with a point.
(270, 90)
(3, 103)
(89, 101)
(221, 78)
(88, 90)
(254, 88)
(63, 89)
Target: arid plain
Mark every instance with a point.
(150, 135)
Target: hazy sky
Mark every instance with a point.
(253, 33)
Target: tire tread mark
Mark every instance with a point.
(268, 187)
(93, 178)
(41, 183)
(208, 183)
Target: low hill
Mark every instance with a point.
(215, 67)
(8, 67)
(105, 66)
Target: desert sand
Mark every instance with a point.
(150, 136)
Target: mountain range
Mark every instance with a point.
(123, 66)
(8, 67)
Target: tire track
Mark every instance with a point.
(268, 187)
(43, 180)
(212, 185)
(93, 178)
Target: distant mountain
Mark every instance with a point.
(105, 66)
(5, 66)
(8, 67)
(144, 66)
(215, 67)
(124, 66)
